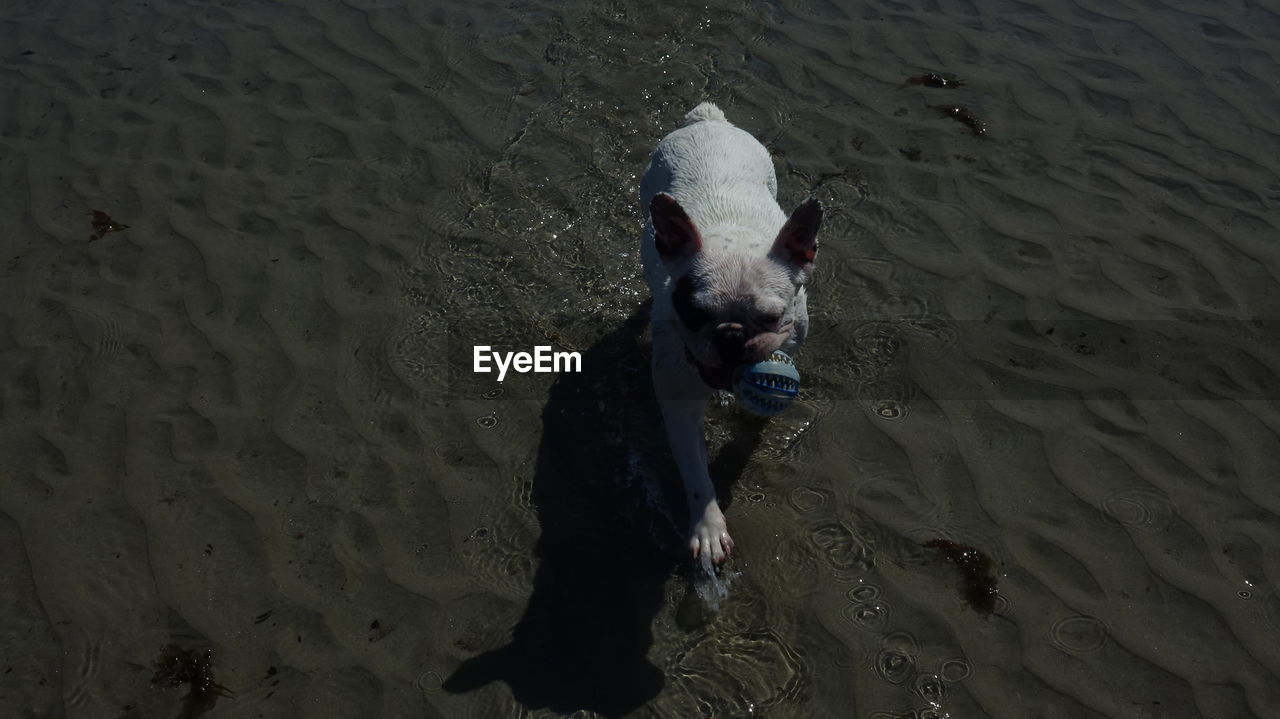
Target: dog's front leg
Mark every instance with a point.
(683, 398)
(708, 533)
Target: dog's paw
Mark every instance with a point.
(710, 535)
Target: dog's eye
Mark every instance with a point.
(771, 320)
(693, 316)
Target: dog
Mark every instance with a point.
(727, 269)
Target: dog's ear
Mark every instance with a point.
(797, 241)
(673, 231)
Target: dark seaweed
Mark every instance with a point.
(102, 224)
(977, 574)
(933, 79)
(177, 666)
(961, 114)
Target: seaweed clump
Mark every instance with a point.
(177, 666)
(102, 224)
(963, 116)
(977, 574)
(934, 79)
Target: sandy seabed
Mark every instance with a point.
(235, 414)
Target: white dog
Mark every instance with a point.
(727, 269)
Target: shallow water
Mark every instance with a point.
(246, 422)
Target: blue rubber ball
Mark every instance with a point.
(769, 386)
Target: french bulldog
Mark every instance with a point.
(727, 269)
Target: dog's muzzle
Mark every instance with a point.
(730, 342)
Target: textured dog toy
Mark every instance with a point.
(768, 387)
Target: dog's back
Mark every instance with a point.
(724, 179)
(708, 152)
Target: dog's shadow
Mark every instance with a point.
(608, 545)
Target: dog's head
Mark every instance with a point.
(734, 307)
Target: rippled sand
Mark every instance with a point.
(244, 422)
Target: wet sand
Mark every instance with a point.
(245, 423)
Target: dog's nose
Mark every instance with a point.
(730, 342)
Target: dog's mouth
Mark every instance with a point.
(713, 377)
